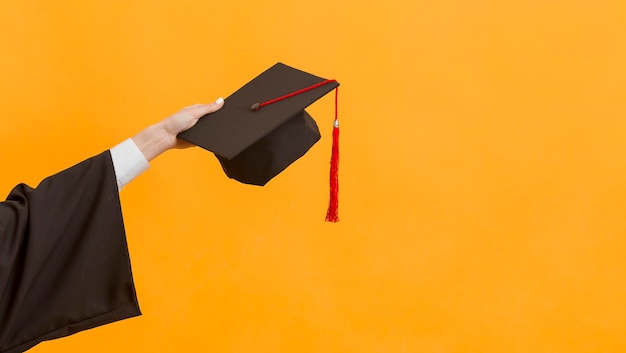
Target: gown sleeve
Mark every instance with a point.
(64, 262)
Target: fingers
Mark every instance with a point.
(188, 117)
(199, 110)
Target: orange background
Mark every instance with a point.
(483, 172)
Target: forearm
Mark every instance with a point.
(131, 157)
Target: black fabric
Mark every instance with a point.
(64, 262)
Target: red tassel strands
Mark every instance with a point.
(332, 215)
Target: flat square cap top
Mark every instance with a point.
(235, 127)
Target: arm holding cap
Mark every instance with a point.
(160, 137)
(131, 157)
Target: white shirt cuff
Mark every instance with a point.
(128, 162)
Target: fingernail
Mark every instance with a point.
(220, 100)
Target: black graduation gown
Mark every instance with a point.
(64, 263)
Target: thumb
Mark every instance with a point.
(200, 110)
(189, 116)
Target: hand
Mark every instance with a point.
(161, 136)
(185, 119)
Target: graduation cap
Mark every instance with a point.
(263, 127)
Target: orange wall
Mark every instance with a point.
(483, 175)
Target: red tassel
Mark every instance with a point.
(332, 215)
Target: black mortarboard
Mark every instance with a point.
(263, 127)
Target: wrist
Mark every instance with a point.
(154, 140)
